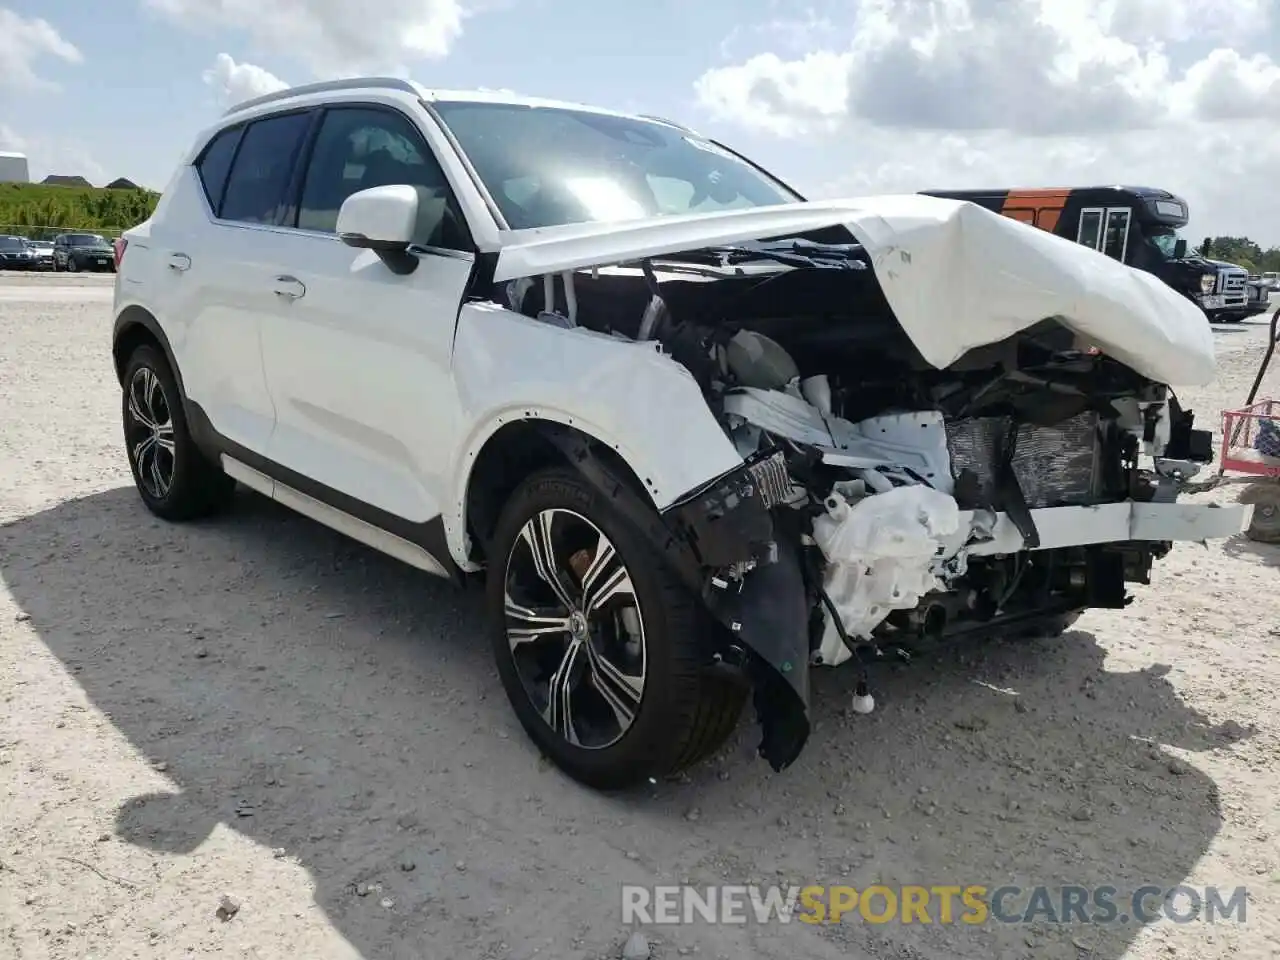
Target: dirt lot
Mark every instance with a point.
(258, 708)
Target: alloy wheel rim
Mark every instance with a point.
(149, 433)
(575, 629)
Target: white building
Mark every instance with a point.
(14, 168)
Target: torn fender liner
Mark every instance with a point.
(770, 616)
(767, 611)
(728, 524)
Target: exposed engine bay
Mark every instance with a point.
(883, 503)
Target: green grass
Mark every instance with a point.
(39, 211)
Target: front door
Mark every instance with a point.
(357, 357)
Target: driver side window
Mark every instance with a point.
(358, 148)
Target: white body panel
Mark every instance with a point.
(209, 287)
(956, 275)
(625, 394)
(359, 373)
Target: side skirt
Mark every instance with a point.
(421, 545)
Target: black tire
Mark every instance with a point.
(687, 708)
(1049, 627)
(73, 265)
(195, 487)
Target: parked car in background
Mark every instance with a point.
(1271, 281)
(82, 251)
(15, 253)
(1257, 296)
(43, 254)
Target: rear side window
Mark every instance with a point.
(214, 165)
(259, 180)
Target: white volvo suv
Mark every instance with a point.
(700, 435)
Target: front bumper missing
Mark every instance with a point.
(996, 533)
(768, 609)
(745, 559)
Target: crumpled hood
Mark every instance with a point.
(956, 275)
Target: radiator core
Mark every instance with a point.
(1055, 466)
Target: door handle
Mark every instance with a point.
(291, 288)
(179, 262)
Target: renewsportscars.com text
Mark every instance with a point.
(971, 904)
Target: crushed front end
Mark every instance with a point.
(885, 502)
(1016, 501)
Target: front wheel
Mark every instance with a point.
(73, 265)
(175, 480)
(598, 643)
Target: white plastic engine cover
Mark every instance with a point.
(880, 554)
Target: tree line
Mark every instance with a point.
(1244, 252)
(38, 211)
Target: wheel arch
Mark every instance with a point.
(510, 453)
(134, 326)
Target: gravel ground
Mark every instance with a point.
(259, 709)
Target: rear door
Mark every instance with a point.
(358, 357)
(221, 269)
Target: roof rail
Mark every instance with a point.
(664, 120)
(327, 86)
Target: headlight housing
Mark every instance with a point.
(1207, 282)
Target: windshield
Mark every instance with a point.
(11, 243)
(41, 244)
(548, 166)
(85, 240)
(1164, 239)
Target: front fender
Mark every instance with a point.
(627, 395)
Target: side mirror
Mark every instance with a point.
(384, 220)
(1179, 248)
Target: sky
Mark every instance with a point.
(844, 98)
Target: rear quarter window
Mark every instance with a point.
(215, 163)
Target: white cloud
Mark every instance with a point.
(332, 37)
(1226, 86)
(915, 94)
(1039, 67)
(786, 97)
(10, 140)
(59, 155)
(236, 82)
(23, 41)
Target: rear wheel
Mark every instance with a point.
(1265, 497)
(175, 480)
(73, 265)
(597, 642)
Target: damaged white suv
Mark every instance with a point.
(699, 435)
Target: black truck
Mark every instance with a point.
(1135, 225)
